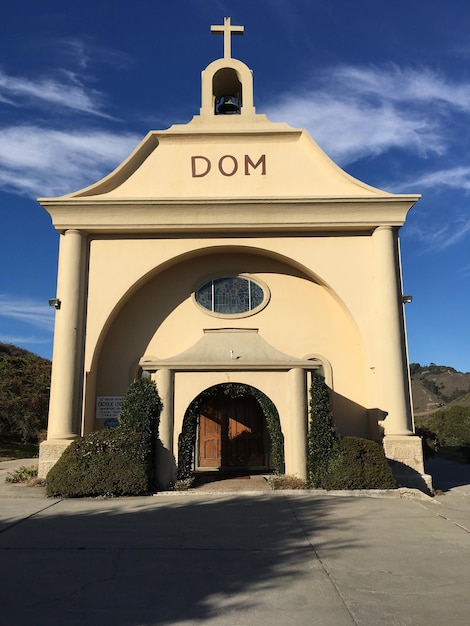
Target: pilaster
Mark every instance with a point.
(166, 465)
(392, 366)
(296, 448)
(64, 423)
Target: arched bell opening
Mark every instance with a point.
(230, 426)
(227, 92)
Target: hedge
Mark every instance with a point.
(360, 464)
(111, 462)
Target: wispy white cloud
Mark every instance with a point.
(349, 129)
(465, 271)
(403, 85)
(437, 236)
(357, 112)
(77, 50)
(363, 112)
(27, 310)
(68, 92)
(40, 161)
(85, 52)
(21, 340)
(454, 177)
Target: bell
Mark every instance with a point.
(228, 105)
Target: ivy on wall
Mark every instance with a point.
(322, 439)
(187, 438)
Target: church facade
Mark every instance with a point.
(231, 250)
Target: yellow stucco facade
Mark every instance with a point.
(232, 195)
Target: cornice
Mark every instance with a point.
(166, 215)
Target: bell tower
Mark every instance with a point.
(227, 83)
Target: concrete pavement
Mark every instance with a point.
(274, 558)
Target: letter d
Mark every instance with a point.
(201, 173)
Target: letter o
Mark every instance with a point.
(221, 165)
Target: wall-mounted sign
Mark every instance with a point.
(227, 165)
(108, 407)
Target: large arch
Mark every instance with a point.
(194, 255)
(206, 251)
(131, 332)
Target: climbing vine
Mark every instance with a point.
(187, 438)
(322, 439)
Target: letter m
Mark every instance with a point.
(249, 163)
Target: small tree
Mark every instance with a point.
(322, 441)
(141, 408)
(140, 412)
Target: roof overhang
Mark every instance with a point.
(222, 215)
(229, 349)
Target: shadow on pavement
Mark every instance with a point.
(447, 475)
(160, 560)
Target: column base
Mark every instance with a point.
(50, 452)
(405, 454)
(165, 466)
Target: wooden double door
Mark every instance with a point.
(231, 433)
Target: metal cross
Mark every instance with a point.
(227, 30)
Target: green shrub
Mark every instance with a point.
(322, 440)
(184, 484)
(452, 426)
(11, 450)
(141, 408)
(276, 438)
(429, 440)
(360, 464)
(140, 411)
(465, 452)
(25, 380)
(286, 481)
(22, 475)
(111, 462)
(451, 453)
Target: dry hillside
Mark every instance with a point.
(438, 386)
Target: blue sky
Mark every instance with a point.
(383, 87)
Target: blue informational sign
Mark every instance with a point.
(111, 423)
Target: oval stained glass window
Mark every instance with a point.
(233, 295)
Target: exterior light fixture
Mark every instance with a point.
(55, 302)
(406, 299)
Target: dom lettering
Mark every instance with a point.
(227, 165)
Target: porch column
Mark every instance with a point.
(67, 360)
(296, 448)
(392, 362)
(166, 465)
(394, 394)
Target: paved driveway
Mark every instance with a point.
(268, 558)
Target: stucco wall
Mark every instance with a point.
(156, 315)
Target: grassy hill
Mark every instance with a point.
(24, 394)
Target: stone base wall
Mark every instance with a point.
(405, 454)
(405, 449)
(50, 452)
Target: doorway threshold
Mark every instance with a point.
(231, 480)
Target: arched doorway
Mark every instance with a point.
(231, 433)
(230, 425)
